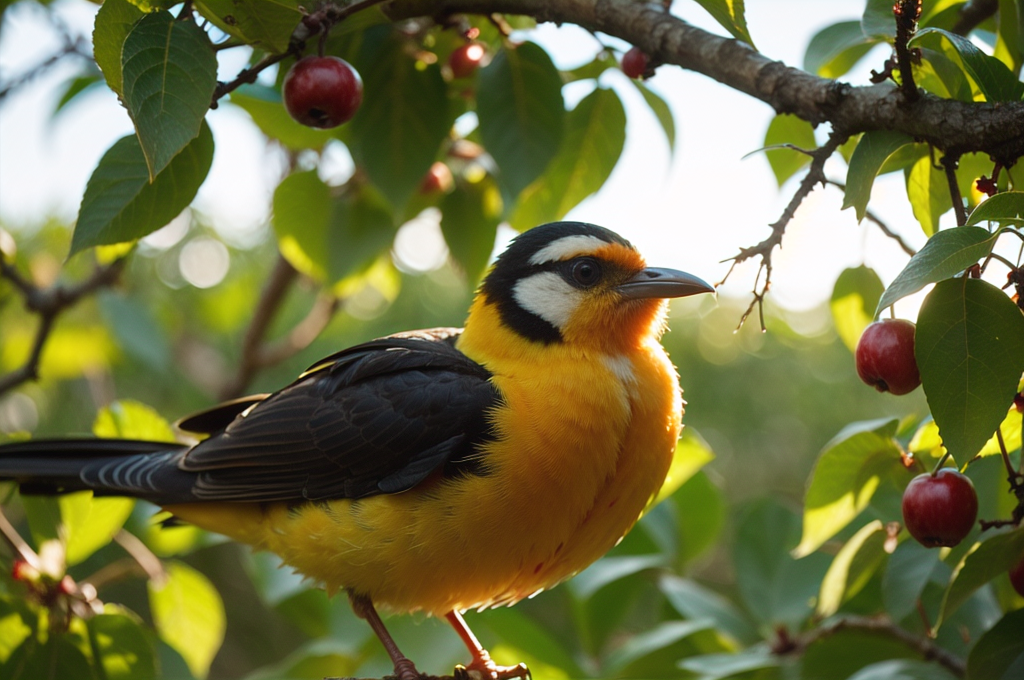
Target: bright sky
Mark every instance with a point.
(689, 211)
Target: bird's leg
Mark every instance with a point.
(482, 662)
(404, 668)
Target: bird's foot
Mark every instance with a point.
(485, 669)
(406, 670)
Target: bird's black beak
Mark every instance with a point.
(656, 282)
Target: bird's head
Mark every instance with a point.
(580, 284)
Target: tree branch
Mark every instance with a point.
(48, 303)
(953, 126)
(973, 14)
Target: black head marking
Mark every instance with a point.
(515, 264)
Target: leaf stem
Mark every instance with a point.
(942, 461)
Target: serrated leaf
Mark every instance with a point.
(946, 254)
(120, 204)
(928, 192)
(788, 129)
(999, 653)
(835, 49)
(871, 152)
(325, 237)
(993, 78)
(265, 107)
(1006, 208)
(853, 565)
(189, 615)
(986, 560)
(469, 221)
(123, 647)
(595, 133)
(969, 346)
(661, 111)
(521, 113)
(845, 477)
(854, 298)
(170, 72)
(906, 576)
(114, 21)
(405, 117)
(266, 24)
(729, 14)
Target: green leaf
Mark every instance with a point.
(265, 24)
(853, 565)
(189, 615)
(595, 133)
(137, 332)
(607, 570)
(903, 669)
(993, 78)
(729, 14)
(1006, 208)
(878, 21)
(661, 111)
(776, 588)
(129, 419)
(120, 204)
(845, 478)
(405, 117)
(76, 87)
(1010, 34)
(521, 113)
(788, 129)
(928, 192)
(58, 658)
(943, 76)
(170, 72)
(835, 49)
(265, 107)
(17, 623)
(694, 601)
(872, 151)
(469, 221)
(330, 238)
(90, 523)
(114, 21)
(701, 512)
(986, 560)
(657, 638)
(847, 651)
(969, 346)
(946, 254)
(999, 653)
(515, 628)
(691, 454)
(719, 666)
(906, 576)
(124, 649)
(853, 302)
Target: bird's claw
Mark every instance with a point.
(487, 670)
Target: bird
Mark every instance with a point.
(440, 470)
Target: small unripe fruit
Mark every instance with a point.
(322, 92)
(885, 356)
(1017, 577)
(940, 509)
(438, 179)
(634, 62)
(465, 60)
(1018, 402)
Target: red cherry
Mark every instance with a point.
(940, 509)
(1018, 402)
(438, 179)
(322, 92)
(634, 62)
(1017, 577)
(465, 60)
(885, 356)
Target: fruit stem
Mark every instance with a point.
(942, 461)
(1012, 476)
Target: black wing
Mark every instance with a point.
(375, 418)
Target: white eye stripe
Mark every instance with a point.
(548, 296)
(566, 247)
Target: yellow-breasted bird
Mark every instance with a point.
(437, 470)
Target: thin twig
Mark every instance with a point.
(72, 46)
(113, 572)
(880, 224)
(304, 333)
(949, 164)
(907, 13)
(48, 303)
(815, 175)
(17, 543)
(145, 558)
(920, 644)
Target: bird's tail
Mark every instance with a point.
(107, 467)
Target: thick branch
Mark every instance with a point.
(973, 14)
(953, 126)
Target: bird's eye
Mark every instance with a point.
(586, 272)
